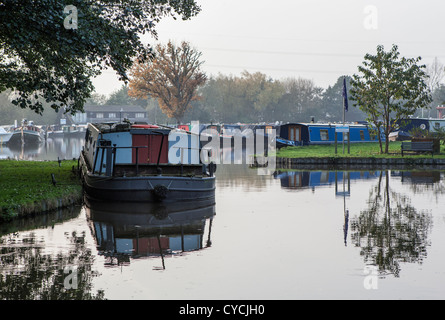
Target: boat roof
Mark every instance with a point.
(327, 124)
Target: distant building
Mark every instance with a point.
(109, 113)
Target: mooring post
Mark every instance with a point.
(53, 178)
(335, 135)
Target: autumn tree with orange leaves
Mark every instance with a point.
(172, 78)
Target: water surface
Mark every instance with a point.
(284, 235)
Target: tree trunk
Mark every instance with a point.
(380, 139)
(387, 123)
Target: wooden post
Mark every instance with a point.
(335, 142)
(349, 143)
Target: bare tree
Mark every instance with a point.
(436, 73)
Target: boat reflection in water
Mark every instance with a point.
(313, 179)
(141, 230)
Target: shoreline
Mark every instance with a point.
(360, 162)
(70, 192)
(28, 188)
(45, 206)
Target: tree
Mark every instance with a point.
(260, 94)
(121, 97)
(50, 49)
(223, 97)
(332, 103)
(96, 99)
(173, 78)
(435, 72)
(9, 113)
(301, 99)
(389, 88)
(391, 231)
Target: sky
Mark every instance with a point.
(319, 40)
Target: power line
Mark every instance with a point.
(276, 69)
(287, 53)
(318, 54)
(331, 40)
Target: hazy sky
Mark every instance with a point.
(314, 39)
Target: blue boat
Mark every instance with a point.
(301, 134)
(426, 124)
(314, 179)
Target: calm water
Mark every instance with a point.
(285, 235)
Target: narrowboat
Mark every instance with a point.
(265, 132)
(27, 133)
(72, 131)
(144, 163)
(260, 132)
(426, 124)
(55, 131)
(301, 134)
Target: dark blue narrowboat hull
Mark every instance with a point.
(298, 134)
(145, 188)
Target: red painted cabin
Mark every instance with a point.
(151, 137)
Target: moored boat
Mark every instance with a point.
(301, 134)
(27, 133)
(144, 163)
(5, 136)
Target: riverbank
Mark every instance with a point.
(337, 163)
(357, 150)
(362, 155)
(33, 187)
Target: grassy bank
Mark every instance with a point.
(356, 150)
(26, 187)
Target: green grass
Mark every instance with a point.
(356, 150)
(26, 186)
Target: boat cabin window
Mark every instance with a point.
(362, 135)
(324, 135)
(294, 133)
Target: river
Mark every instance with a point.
(282, 235)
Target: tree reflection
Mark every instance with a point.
(28, 273)
(391, 231)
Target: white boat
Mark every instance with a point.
(5, 136)
(27, 133)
